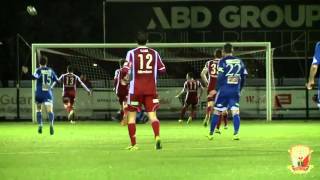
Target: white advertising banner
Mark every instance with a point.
(288, 102)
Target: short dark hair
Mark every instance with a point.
(69, 68)
(218, 53)
(190, 74)
(142, 38)
(228, 48)
(43, 60)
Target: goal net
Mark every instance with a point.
(96, 64)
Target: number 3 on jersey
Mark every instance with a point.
(214, 70)
(145, 61)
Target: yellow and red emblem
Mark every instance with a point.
(300, 156)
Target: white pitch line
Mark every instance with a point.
(31, 152)
(199, 148)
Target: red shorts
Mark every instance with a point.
(150, 102)
(191, 100)
(122, 98)
(211, 87)
(212, 98)
(69, 98)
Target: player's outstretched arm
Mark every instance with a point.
(57, 81)
(201, 89)
(204, 76)
(179, 94)
(313, 72)
(84, 86)
(182, 91)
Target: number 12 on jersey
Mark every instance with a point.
(145, 61)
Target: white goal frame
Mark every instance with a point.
(267, 45)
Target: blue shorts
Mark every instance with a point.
(44, 97)
(226, 101)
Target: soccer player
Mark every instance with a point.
(143, 66)
(69, 87)
(192, 87)
(313, 71)
(121, 87)
(44, 77)
(231, 78)
(210, 70)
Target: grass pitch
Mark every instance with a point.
(95, 150)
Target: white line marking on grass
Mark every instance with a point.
(196, 148)
(30, 152)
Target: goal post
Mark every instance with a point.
(36, 48)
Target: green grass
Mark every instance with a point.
(95, 150)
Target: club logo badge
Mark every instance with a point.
(300, 156)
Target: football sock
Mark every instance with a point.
(132, 133)
(39, 118)
(209, 108)
(193, 112)
(236, 123)
(225, 119)
(214, 121)
(219, 122)
(183, 112)
(156, 127)
(121, 114)
(69, 109)
(51, 118)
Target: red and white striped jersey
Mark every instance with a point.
(69, 81)
(143, 65)
(121, 83)
(212, 68)
(192, 88)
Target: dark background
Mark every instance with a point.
(81, 21)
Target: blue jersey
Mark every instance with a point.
(231, 74)
(44, 76)
(316, 61)
(316, 57)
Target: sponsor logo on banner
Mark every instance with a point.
(300, 156)
(282, 99)
(233, 16)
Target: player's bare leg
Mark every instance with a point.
(39, 118)
(225, 119)
(193, 113)
(71, 116)
(208, 113)
(155, 123)
(218, 125)
(214, 121)
(132, 130)
(69, 108)
(124, 120)
(49, 108)
(183, 112)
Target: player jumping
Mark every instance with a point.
(313, 71)
(44, 77)
(121, 83)
(231, 78)
(192, 87)
(210, 70)
(143, 65)
(69, 81)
